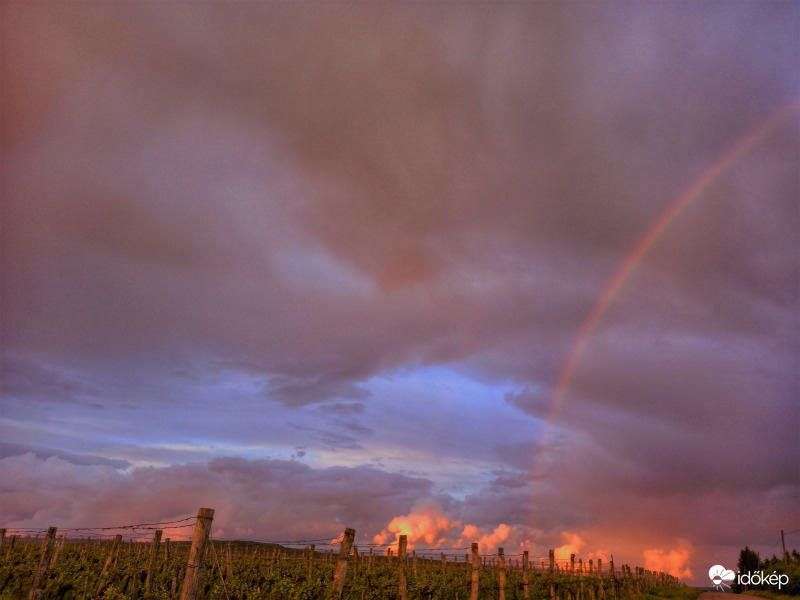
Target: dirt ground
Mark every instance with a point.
(725, 596)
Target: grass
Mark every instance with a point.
(671, 593)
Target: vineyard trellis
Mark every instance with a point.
(97, 563)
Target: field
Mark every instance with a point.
(77, 568)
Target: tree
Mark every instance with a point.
(748, 563)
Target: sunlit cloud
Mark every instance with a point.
(674, 561)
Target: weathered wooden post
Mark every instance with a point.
(44, 562)
(613, 574)
(444, 562)
(11, 545)
(135, 573)
(401, 567)
(151, 569)
(194, 566)
(341, 565)
(60, 541)
(102, 580)
(229, 562)
(501, 563)
(526, 588)
(475, 571)
(2, 538)
(552, 554)
(602, 583)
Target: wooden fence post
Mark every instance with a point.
(475, 570)
(501, 563)
(102, 580)
(229, 562)
(44, 562)
(613, 573)
(602, 584)
(526, 588)
(11, 545)
(60, 541)
(151, 569)
(194, 566)
(341, 565)
(401, 567)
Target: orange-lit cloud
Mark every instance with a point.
(572, 545)
(427, 524)
(673, 561)
(486, 541)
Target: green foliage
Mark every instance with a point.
(671, 593)
(749, 562)
(268, 572)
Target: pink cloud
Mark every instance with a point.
(673, 561)
(426, 524)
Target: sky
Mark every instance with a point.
(518, 273)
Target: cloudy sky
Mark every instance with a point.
(387, 266)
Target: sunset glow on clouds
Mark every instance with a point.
(673, 562)
(428, 525)
(392, 267)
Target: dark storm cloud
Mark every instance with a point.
(12, 449)
(296, 391)
(28, 379)
(423, 150)
(266, 499)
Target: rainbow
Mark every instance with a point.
(692, 193)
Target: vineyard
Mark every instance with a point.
(81, 564)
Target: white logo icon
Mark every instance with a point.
(720, 576)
